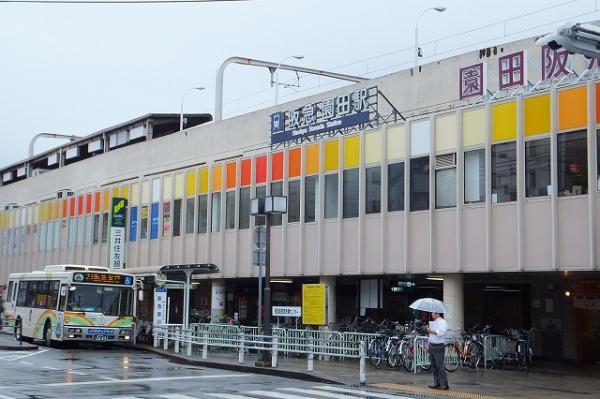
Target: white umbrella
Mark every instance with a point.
(429, 305)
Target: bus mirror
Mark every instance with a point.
(63, 290)
(71, 288)
(140, 295)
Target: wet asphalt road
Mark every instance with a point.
(128, 374)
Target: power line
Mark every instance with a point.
(114, 1)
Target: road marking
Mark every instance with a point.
(361, 392)
(177, 396)
(6, 397)
(137, 380)
(75, 372)
(51, 368)
(228, 396)
(278, 395)
(109, 378)
(321, 393)
(20, 356)
(27, 363)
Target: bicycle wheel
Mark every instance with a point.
(474, 355)
(393, 356)
(376, 350)
(451, 358)
(406, 355)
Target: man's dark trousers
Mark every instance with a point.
(436, 357)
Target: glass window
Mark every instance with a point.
(350, 194)
(373, 189)
(537, 167)
(71, 233)
(42, 238)
(80, 230)
(445, 188)
(104, 227)
(572, 163)
(396, 187)
(177, 218)
(96, 228)
(22, 293)
(215, 218)
(261, 192)
(230, 210)
(419, 184)
(294, 201)
(311, 198)
(276, 189)
(504, 172)
(11, 285)
(189, 215)
(244, 221)
(56, 235)
(202, 213)
(474, 176)
(331, 196)
(88, 230)
(144, 222)
(50, 234)
(166, 219)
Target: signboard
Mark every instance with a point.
(332, 113)
(102, 278)
(471, 81)
(314, 311)
(160, 306)
(117, 222)
(287, 311)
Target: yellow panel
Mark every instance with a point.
(217, 177)
(3, 224)
(373, 147)
(49, 210)
(167, 190)
(179, 186)
(332, 155)
(396, 142)
(190, 185)
(312, 159)
(125, 192)
(536, 112)
(351, 151)
(105, 200)
(572, 108)
(115, 192)
(146, 192)
(504, 121)
(135, 193)
(42, 213)
(474, 127)
(203, 181)
(445, 133)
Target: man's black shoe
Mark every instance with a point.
(433, 386)
(443, 388)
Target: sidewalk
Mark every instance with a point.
(8, 343)
(547, 380)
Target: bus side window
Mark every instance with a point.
(62, 301)
(22, 294)
(10, 291)
(52, 295)
(32, 290)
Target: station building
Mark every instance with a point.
(470, 179)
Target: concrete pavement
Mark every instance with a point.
(8, 343)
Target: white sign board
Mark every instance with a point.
(287, 311)
(160, 306)
(117, 247)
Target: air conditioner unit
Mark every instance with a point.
(64, 194)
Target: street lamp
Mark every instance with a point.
(267, 206)
(298, 57)
(181, 107)
(418, 49)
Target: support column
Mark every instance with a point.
(453, 298)
(330, 282)
(218, 297)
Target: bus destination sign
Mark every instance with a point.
(103, 278)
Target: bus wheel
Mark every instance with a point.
(48, 334)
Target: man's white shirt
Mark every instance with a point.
(440, 327)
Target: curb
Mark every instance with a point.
(297, 375)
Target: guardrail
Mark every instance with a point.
(492, 346)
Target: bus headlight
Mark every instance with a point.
(75, 331)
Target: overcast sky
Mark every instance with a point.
(77, 69)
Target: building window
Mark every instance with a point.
(166, 219)
(395, 187)
(49, 235)
(96, 228)
(261, 192)
(144, 223)
(294, 201)
(230, 210)
(177, 218)
(350, 194)
(244, 216)
(537, 168)
(88, 229)
(572, 163)
(276, 189)
(215, 215)
(80, 230)
(419, 184)
(311, 198)
(331, 196)
(104, 227)
(189, 215)
(445, 181)
(474, 176)
(42, 238)
(373, 189)
(504, 172)
(202, 213)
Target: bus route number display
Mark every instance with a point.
(102, 278)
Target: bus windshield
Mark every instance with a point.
(111, 301)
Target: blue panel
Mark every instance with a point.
(154, 221)
(133, 223)
(322, 127)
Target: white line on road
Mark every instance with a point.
(109, 378)
(321, 393)
(177, 396)
(76, 372)
(6, 397)
(27, 363)
(278, 395)
(228, 396)
(136, 380)
(369, 394)
(51, 368)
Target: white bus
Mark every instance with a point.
(71, 303)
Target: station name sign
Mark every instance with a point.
(332, 113)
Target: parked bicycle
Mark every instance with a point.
(521, 357)
(469, 352)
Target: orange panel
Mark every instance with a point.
(217, 177)
(261, 169)
(312, 159)
(572, 108)
(97, 201)
(105, 200)
(231, 175)
(65, 205)
(88, 203)
(294, 162)
(57, 209)
(72, 207)
(80, 205)
(277, 166)
(246, 172)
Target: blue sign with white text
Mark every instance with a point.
(154, 221)
(322, 127)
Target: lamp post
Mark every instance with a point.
(298, 57)
(417, 49)
(181, 105)
(267, 206)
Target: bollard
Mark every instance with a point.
(311, 361)
(241, 354)
(274, 356)
(166, 339)
(155, 339)
(177, 338)
(363, 364)
(205, 346)
(189, 342)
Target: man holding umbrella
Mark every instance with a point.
(437, 339)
